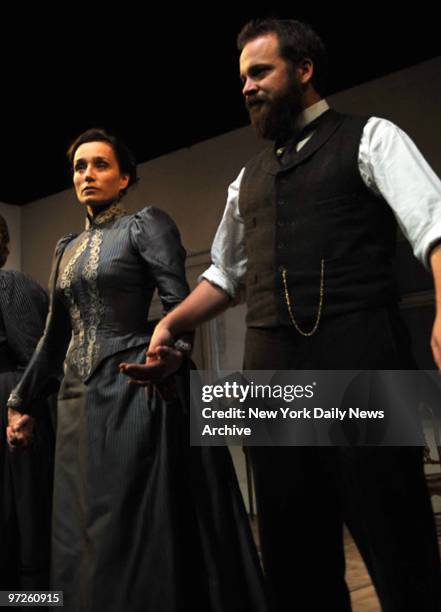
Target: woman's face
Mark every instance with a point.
(97, 176)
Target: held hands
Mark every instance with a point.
(162, 360)
(20, 429)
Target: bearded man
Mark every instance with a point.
(308, 234)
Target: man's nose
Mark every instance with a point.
(249, 87)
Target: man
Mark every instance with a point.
(25, 477)
(309, 234)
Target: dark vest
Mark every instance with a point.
(315, 207)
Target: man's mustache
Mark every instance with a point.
(253, 101)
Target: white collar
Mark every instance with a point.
(309, 114)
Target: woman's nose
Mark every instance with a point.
(89, 174)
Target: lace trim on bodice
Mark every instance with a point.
(85, 322)
(114, 211)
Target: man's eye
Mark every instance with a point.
(261, 73)
(79, 167)
(102, 164)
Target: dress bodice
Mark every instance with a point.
(102, 283)
(107, 276)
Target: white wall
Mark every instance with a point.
(190, 184)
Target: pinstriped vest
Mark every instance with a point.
(315, 207)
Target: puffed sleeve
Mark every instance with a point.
(24, 309)
(45, 369)
(156, 238)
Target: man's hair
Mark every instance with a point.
(296, 40)
(125, 158)
(4, 231)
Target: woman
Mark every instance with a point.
(25, 478)
(141, 521)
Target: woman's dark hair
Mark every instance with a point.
(296, 40)
(125, 158)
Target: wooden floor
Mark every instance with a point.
(363, 596)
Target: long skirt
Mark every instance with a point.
(142, 521)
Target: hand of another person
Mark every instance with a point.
(20, 429)
(161, 360)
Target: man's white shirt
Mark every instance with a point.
(390, 165)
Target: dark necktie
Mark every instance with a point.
(286, 151)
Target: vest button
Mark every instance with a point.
(280, 151)
(280, 223)
(281, 245)
(281, 202)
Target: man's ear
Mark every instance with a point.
(305, 70)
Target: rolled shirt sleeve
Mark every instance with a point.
(228, 257)
(391, 165)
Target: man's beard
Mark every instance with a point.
(274, 119)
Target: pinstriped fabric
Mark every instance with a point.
(107, 278)
(77, 320)
(25, 478)
(23, 307)
(126, 531)
(44, 370)
(85, 323)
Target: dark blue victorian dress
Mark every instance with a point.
(142, 522)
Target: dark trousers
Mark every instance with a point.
(306, 494)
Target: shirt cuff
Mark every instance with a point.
(426, 243)
(217, 277)
(14, 401)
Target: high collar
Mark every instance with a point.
(310, 114)
(112, 212)
(303, 119)
(323, 126)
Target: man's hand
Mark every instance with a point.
(20, 429)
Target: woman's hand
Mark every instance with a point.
(162, 360)
(20, 429)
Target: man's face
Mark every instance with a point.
(272, 90)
